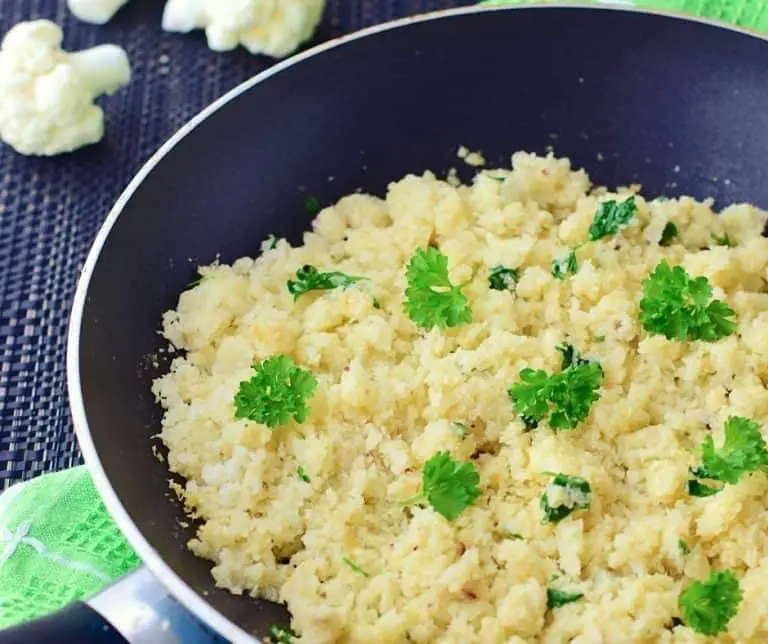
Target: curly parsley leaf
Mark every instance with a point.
(279, 390)
(669, 234)
(611, 216)
(501, 278)
(565, 398)
(557, 598)
(431, 299)
(680, 308)
(744, 450)
(566, 265)
(564, 495)
(708, 606)
(448, 485)
(281, 634)
(308, 278)
(572, 395)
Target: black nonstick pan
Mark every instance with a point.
(675, 104)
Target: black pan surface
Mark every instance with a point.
(676, 105)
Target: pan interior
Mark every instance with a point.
(677, 106)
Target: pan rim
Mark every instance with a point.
(179, 588)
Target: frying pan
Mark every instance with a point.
(676, 104)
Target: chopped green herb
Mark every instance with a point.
(312, 205)
(196, 282)
(431, 299)
(376, 303)
(565, 397)
(696, 488)
(743, 451)
(448, 485)
(530, 423)
(722, 241)
(611, 216)
(279, 390)
(355, 567)
(460, 429)
(515, 536)
(709, 605)
(308, 278)
(281, 635)
(270, 243)
(599, 338)
(564, 495)
(501, 278)
(302, 474)
(684, 547)
(564, 266)
(557, 598)
(680, 308)
(494, 177)
(571, 357)
(669, 233)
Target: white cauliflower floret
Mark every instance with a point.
(98, 12)
(272, 27)
(47, 94)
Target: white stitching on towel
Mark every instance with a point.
(14, 540)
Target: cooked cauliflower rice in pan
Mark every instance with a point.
(521, 410)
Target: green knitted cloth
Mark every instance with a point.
(750, 14)
(57, 542)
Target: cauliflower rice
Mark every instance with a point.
(389, 393)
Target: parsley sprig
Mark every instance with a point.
(563, 496)
(502, 278)
(565, 398)
(279, 390)
(308, 278)
(608, 219)
(708, 606)
(448, 485)
(431, 298)
(743, 451)
(680, 308)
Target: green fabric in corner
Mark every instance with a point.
(57, 544)
(750, 14)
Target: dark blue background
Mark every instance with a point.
(50, 209)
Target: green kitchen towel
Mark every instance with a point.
(57, 544)
(750, 14)
(57, 541)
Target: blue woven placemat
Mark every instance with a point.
(50, 209)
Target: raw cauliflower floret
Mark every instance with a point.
(47, 94)
(98, 12)
(272, 27)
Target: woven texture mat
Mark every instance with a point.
(51, 209)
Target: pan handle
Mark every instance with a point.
(135, 610)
